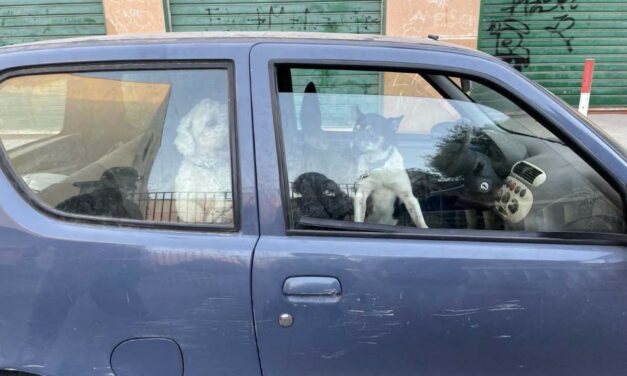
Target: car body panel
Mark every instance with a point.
(72, 291)
(419, 306)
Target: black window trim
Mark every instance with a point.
(135, 65)
(440, 234)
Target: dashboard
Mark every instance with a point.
(514, 199)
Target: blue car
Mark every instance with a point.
(301, 204)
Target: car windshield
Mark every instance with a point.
(508, 116)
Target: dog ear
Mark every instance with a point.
(396, 122)
(184, 140)
(358, 113)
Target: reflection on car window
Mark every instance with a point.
(140, 145)
(430, 151)
(506, 113)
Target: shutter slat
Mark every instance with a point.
(550, 46)
(24, 21)
(353, 16)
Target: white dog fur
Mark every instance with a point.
(385, 183)
(203, 140)
(383, 175)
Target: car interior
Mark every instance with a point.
(491, 166)
(474, 158)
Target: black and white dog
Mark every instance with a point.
(382, 172)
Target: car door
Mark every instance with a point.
(480, 292)
(128, 210)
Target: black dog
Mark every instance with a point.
(320, 197)
(110, 198)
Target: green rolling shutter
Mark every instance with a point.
(31, 20)
(351, 16)
(549, 40)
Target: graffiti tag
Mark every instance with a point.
(509, 34)
(530, 7)
(277, 16)
(564, 23)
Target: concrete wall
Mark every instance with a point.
(455, 21)
(134, 16)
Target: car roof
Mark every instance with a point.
(242, 37)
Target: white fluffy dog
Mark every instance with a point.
(203, 182)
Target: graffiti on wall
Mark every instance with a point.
(510, 33)
(440, 17)
(303, 19)
(134, 16)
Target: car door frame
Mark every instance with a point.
(273, 254)
(537, 101)
(41, 245)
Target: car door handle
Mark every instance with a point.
(312, 286)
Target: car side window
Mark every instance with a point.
(139, 145)
(430, 151)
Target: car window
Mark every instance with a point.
(431, 151)
(144, 145)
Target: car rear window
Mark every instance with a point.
(133, 145)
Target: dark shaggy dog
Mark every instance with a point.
(110, 198)
(320, 197)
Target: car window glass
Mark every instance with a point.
(27, 115)
(506, 113)
(432, 151)
(149, 145)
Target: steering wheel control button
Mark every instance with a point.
(513, 207)
(505, 197)
(286, 320)
(515, 202)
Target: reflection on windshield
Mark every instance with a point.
(506, 114)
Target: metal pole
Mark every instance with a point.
(586, 86)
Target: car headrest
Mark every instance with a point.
(310, 117)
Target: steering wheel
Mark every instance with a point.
(462, 153)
